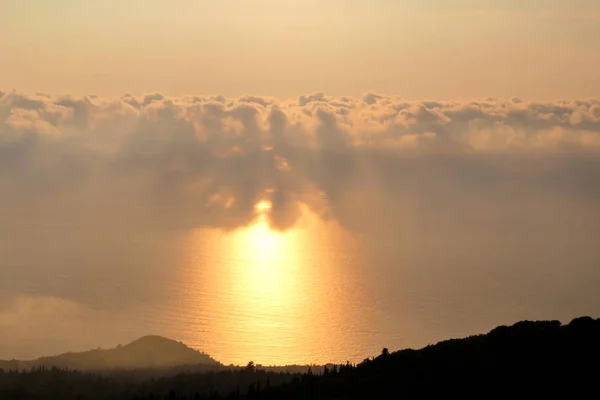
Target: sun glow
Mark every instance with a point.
(262, 207)
(263, 289)
(261, 237)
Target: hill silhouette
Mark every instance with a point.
(146, 352)
(528, 359)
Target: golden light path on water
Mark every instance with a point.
(275, 297)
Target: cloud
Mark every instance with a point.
(156, 162)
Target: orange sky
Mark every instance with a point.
(544, 49)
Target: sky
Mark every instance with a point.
(535, 49)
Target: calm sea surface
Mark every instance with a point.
(314, 294)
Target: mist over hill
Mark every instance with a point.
(148, 352)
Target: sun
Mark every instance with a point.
(263, 206)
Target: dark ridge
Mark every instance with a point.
(528, 359)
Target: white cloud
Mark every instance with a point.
(157, 160)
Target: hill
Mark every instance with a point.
(528, 359)
(148, 352)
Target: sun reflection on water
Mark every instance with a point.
(268, 296)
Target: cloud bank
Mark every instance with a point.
(187, 162)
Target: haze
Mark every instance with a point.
(294, 181)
